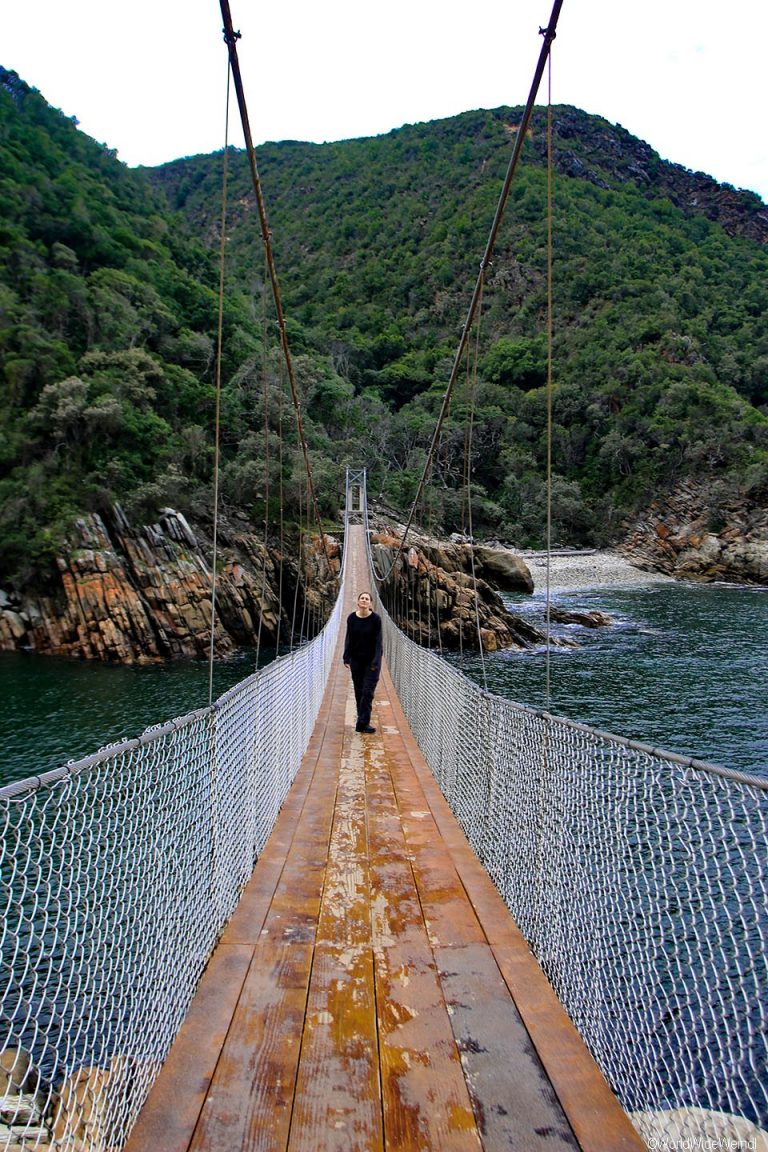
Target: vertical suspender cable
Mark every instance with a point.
(472, 373)
(219, 348)
(267, 462)
(550, 341)
(280, 501)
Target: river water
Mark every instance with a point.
(56, 710)
(682, 667)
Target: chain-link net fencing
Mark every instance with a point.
(117, 875)
(639, 880)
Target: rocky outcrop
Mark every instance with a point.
(591, 619)
(436, 601)
(590, 148)
(140, 595)
(692, 538)
(505, 570)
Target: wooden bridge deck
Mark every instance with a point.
(371, 991)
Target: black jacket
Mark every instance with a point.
(363, 640)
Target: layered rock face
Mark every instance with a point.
(139, 595)
(682, 536)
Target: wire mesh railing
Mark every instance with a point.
(639, 880)
(117, 875)
(638, 877)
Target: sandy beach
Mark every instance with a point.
(599, 569)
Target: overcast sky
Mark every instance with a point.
(148, 77)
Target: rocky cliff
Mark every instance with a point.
(136, 595)
(691, 537)
(590, 148)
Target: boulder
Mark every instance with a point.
(698, 1128)
(504, 569)
(591, 619)
(433, 597)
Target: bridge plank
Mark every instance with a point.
(426, 1100)
(338, 1098)
(514, 1111)
(425, 1096)
(338, 1091)
(169, 1123)
(250, 1099)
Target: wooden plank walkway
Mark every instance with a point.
(371, 991)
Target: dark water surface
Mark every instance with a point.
(683, 667)
(56, 710)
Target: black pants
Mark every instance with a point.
(364, 679)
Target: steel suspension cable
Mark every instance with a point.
(549, 34)
(231, 37)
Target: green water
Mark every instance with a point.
(683, 667)
(58, 710)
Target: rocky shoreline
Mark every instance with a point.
(589, 569)
(696, 534)
(126, 594)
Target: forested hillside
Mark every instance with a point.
(108, 319)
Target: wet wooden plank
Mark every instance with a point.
(250, 1100)
(598, 1120)
(395, 909)
(180, 1090)
(338, 1098)
(425, 1096)
(448, 915)
(514, 1102)
(425, 1099)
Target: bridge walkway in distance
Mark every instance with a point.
(371, 990)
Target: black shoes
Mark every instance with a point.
(364, 728)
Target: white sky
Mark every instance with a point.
(148, 77)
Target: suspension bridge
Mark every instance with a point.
(480, 926)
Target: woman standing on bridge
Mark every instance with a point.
(362, 655)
